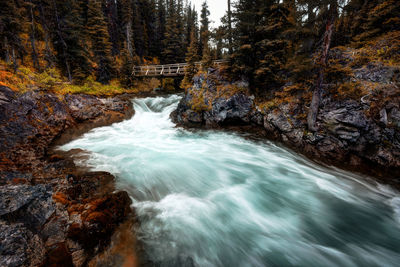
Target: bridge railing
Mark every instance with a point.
(178, 69)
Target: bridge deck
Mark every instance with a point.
(168, 70)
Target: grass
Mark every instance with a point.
(91, 87)
(27, 79)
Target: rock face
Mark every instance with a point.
(51, 214)
(223, 110)
(24, 209)
(32, 121)
(351, 133)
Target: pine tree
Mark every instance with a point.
(204, 27)
(129, 60)
(271, 48)
(261, 47)
(206, 60)
(113, 25)
(244, 58)
(139, 29)
(10, 29)
(219, 36)
(180, 53)
(128, 53)
(191, 59)
(382, 17)
(189, 25)
(160, 28)
(100, 44)
(30, 7)
(172, 42)
(229, 28)
(151, 27)
(47, 25)
(68, 39)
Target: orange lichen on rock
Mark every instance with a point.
(60, 197)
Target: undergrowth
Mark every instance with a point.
(27, 79)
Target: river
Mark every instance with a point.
(213, 198)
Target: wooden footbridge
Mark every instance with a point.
(169, 70)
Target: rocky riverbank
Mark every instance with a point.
(361, 135)
(51, 213)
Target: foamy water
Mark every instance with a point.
(208, 198)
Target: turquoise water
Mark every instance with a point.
(208, 198)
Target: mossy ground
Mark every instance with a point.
(26, 79)
(340, 80)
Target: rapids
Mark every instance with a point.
(212, 198)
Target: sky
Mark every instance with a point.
(217, 8)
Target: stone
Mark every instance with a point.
(383, 117)
(34, 222)
(235, 109)
(377, 73)
(280, 121)
(19, 246)
(394, 117)
(31, 205)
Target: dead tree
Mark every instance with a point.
(322, 62)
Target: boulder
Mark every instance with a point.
(280, 121)
(235, 109)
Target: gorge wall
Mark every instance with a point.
(51, 213)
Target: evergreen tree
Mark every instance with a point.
(204, 27)
(206, 60)
(180, 53)
(128, 54)
(30, 7)
(229, 28)
(46, 19)
(261, 49)
(100, 44)
(112, 18)
(151, 27)
(271, 47)
(68, 39)
(382, 17)
(172, 42)
(247, 20)
(191, 59)
(139, 29)
(189, 25)
(160, 27)
(219, 36)
(11, 22)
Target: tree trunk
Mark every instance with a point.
(317, 94)
(230, 28)
(49, 57)
(7, 49)
(34, 53)
(14, 60)
(129, 38)
(59, 33)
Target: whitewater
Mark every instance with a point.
(215, 198)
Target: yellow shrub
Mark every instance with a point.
(168, 84)
(353, 90)
(198, 103)
(48, 79)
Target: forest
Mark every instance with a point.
(268, 42)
